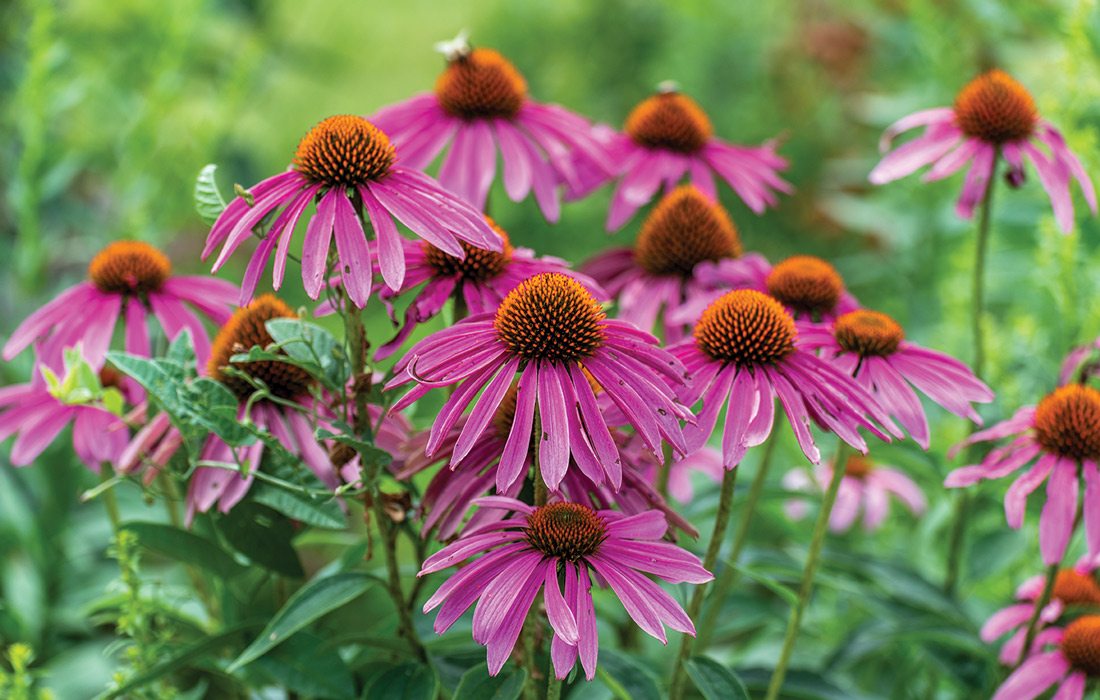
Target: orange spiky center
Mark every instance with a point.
(551, 317)
(569, 531)
(241, 332)
(1074, 588)
(1067, 422)
(129, 267)
(1081, 644)
(868, 333)
(858, 466)
(479, 264)
(344, 151)
(481, 84)
(806, 284)
(995, 108)
(746, 327)
(683, 230)
(669, 120)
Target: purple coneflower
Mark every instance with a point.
(552, 332)
(349, 164)
(528, 552)
(1061, 435)
(743, 353)
(865, 488)
(871, 346)
(480, 105)
(993, 115)
(1069, 666)
(668, 136)
(658, 274)
(128, 278)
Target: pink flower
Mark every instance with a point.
(871, 347)
(1074, 660)
(480, 104)
(865, 487)
(552, 332)
(1056, 438)
(526, 553)
(657, 277)
(743, 353)
(1080, 362)
(668, 137)
(993, 115)
(131, 278)
(346, 162)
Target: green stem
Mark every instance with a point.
(977, 312)
(665, 470)
(109, 500)
(721, 523)
(813, 558)
(531, 624)
(553, 686)
(728, 574)
(1041, 602)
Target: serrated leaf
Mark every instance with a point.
(185, 546)
(477, 684)
(263, 535)
(308, 342)
(409, 681)
(208, 199)
(715, 681)
(304, 664)
(626, 678)
(312, 511)
(309, 603)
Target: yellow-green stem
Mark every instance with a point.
(1041, 602)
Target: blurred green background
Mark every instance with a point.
(109, 109)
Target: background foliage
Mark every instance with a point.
(109, 109)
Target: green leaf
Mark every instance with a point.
(185, 546)
(263, 535)
(308, 342)
(715, 681)
(409, 681)
(208, 199)
(307, 666)
(312, 511)
(626, 678)
(788, 595)
(477, 684)
(310, 602)
(370, 455)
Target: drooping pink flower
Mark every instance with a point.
(1074, 587)
(668, 136)
(480, 105)
(993, 115)
(347, 162)
(127, 278)
(743, 353)
(657, 277)
(552, 332)
(871, 347)
(528, 551)
(1073, 661)
(1056, 440)
(865, 488)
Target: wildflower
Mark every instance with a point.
(1054, 439)
(1070, 665)
(993, 115)
(480, 104)
(552, 332)
(348, 163)
(871, 347)
(128, 278)
(527, 552)
(866, 487)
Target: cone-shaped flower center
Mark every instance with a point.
(1067, 422)
(996, 109)
(868, 333)
(1081, 644)
(568, 531)
(746, 327)
(129, 267)
(858, 466)
(480, 85)
(478, 265)
(1074, 588)
(806, 284)
(669, 120)
(551, 317)
(683, 230)
(244, 330)
(344, 151)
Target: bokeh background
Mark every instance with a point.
(109, 109)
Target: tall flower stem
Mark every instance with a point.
(553, 686)
(531, 624)
(813, 558)
(109, 500)
(728, 575)
(721, 524)
(1041, 602)
(977, 312)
